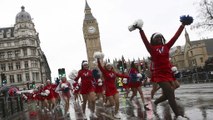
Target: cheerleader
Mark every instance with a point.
(159, 51)
(50, 100)
(98, 84)
(126, 84)
(111, 92)
(87, 88)
(65, 88)
(135, 83)
(76, 90)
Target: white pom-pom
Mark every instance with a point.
(139, 75)
(64, 85)
(98, 55)
(125, 80)
(100, 82)
(73, 74)
(77, 87)
(131, 28)
(139, 23)
(47, 92)
(174, 69)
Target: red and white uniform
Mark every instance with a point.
(55, 94)
(126, 84)
(110, 78)
(86, 81)
(134, 82)
(76, 87)
(67, 93)
(51, 94)
(160, 57)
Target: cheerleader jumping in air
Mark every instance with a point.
(161, 71)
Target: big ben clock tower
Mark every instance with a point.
(91, 34)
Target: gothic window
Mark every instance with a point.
(17, 53)
(9, 44)
(10, 66)
(18, 65)
(27, 76)
(201, 59)
(35, 76)
(25, 52)
(33, 51)
(12, 80)
(34, 63)
(2, 55)
(191, 53)
(19, 78)
(26, 64)
(3, 67)
(9, 54)
(1, 44)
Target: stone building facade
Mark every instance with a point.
(21, 57)
(193, 54)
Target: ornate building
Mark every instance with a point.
(91, 34)
(192, 54)
(21, 57)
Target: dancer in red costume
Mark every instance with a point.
(76, 91)
(65, 87)
(50, 100)
(111, 91)
(87, 88)
(135, 83)
(159, 51)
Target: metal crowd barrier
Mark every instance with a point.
(197, 77)
(9, 106)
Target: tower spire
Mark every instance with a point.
(187, 36)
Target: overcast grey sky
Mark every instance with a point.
(59, 24)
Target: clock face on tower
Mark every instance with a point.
(91, 29)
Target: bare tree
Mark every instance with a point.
(204, 18)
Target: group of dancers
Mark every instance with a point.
(100, 82)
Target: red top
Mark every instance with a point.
(160, 56)
(109, 78)
(86, 81)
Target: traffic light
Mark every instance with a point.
(3, 79)
(33, 85)
(120, 66)
(61, 72)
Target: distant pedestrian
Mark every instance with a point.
(159, 51)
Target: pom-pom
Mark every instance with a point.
(139, 75)
(174, 69)
(100, 82)
(64, 85)
(137, 24)
(125, 80)
(98, 55)
(186, 20)
(73, 74)
(47, 92)
(77, 87)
